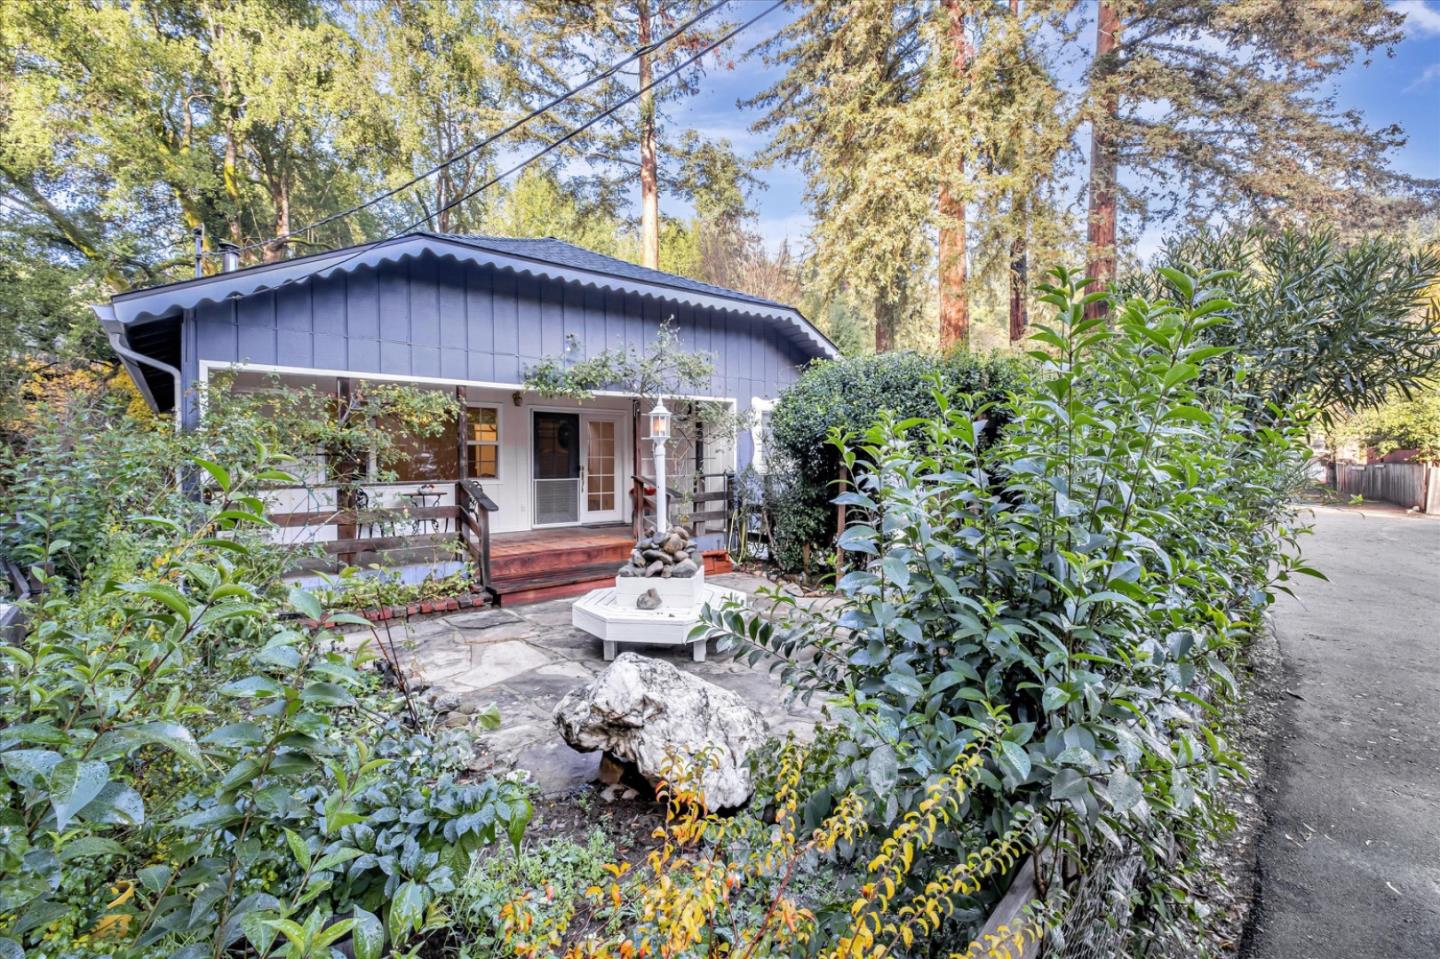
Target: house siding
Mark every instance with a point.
(438, 318)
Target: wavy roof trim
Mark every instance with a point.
(543, 258)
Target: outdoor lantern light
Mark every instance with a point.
(660, 422)
(659, 433)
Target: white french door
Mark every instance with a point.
(600, 498)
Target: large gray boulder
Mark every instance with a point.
(646, 712)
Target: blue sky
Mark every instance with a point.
(1402, 88)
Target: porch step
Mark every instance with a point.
(543, 559)
(522, 588)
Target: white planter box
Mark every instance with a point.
(677, 593)
(604, 614)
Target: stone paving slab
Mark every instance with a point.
(523, 660)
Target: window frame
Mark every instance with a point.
(469, 442)
(759, 408)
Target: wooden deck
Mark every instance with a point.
(540, 564)
(525, 567)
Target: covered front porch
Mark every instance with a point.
(542, 498)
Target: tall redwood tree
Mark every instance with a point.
(954, 295)
(1100, 233)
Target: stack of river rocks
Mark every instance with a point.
(668, 554)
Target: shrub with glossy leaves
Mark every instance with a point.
(188, 769)
(1084, 581)
(846, 396)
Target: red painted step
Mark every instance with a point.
(556, 584)
(541, 560)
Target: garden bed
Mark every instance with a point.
(426, 607)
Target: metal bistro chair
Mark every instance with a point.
(423, 498)
(371, 524)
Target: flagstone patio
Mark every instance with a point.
(524, 659)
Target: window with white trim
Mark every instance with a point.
(482, 442)
(760, 410)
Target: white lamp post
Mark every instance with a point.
(659, 434)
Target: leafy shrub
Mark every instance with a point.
(1398, 424)
(64, 487)
(771, 884)
(384, 588)
(547, 884)
(1318, 322)
(1079, 586)
(184, 768)
(70, 486)
(846, 396)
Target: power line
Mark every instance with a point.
(593, 120)
(367, 247)
(476, 147)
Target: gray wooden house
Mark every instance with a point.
(470, 314)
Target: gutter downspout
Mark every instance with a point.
(134, 357)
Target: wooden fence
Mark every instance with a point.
(1411, 485)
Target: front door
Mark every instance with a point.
(600, 475)
(556, 443)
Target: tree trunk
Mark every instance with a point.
(649, 174)
(231, 176)
(1019, 258)
(1019, 277)
(1103, 161)
(954, 305)
(230, 166)
(443, 192)
(886, 315)
(954, 299)
(280, 197)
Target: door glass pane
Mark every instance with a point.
(600, 465)
(557, 448)
(557, 468)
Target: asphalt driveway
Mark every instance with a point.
(1350, 855)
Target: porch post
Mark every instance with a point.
(637, 492)
(462, 433)
(344, 493)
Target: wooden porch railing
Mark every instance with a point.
(708, 501)
(642, 501)
(376, 530)
(473, 509)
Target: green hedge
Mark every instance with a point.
(1399, 424)
(848, 395)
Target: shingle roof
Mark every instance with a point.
(564, 253)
